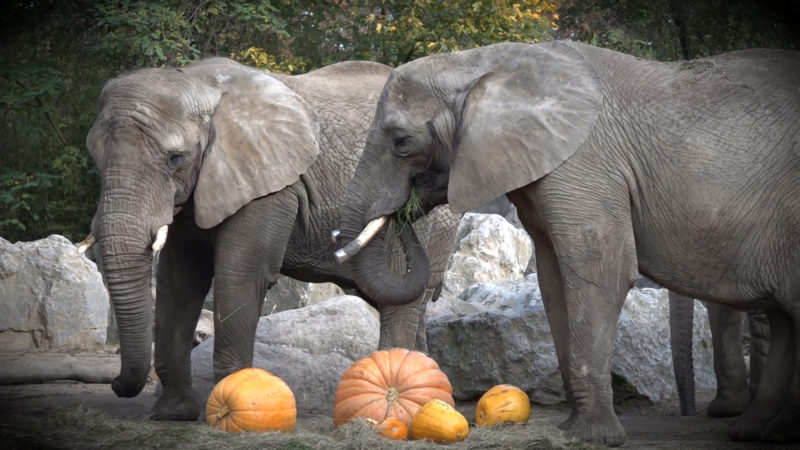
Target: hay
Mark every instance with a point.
(88, 428)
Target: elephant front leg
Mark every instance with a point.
(251, 246)
(597, 266)
(184, 277)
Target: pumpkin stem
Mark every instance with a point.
(222, 412)
(391, 396)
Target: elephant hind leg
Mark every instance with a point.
(779, 372)
(733, 395)
(785, 426)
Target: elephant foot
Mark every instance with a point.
(747, 427)
(729, 404)
(784, 427)
(175, 406)
(601, 428)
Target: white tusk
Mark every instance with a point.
(161, 238)
(369, 232)
(335, 235)
(86, 243)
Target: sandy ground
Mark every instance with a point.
(647, 426)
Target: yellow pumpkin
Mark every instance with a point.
(439, 422)
(251, 400)
(389, 383)
(503, 403)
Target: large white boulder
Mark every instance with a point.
(507, 339)
(52, 297)
(487, 249)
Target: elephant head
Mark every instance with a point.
(207, 138)
(465, 128)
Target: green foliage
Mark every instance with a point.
(678, 29)
(55, 56)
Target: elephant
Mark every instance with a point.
(733, 390)
(686, 172)
(236, 175)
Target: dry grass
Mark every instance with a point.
(87, 428)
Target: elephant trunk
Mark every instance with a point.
(372, 261)
(125, 244)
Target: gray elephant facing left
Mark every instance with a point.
(246, 170)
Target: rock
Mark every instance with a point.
(309, 348)
(53, 297)
(510, 342)
(642, 353)
(487, 249)
(288, 293)
(205, 326)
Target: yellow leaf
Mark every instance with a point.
(378, 27)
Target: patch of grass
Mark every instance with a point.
(411, 210)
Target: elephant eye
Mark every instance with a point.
(175, 160)
(399, 141)
(400, 145)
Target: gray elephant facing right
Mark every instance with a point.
(686, 172)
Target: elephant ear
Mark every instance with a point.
(263, 137)
(516, 126)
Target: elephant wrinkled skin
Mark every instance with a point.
(686, 172)
(247, 170)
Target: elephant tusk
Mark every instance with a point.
(335, 235)
(86, 243)
(161, 238)
(369, 232)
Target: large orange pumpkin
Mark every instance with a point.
(389, 383)
(251, 400)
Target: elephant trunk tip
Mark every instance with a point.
(124, 389)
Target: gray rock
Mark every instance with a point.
(487, 249)
(288, 293)
(510, 342)
(642, 353)
(53, 297)
(309, 348)
(205, 326)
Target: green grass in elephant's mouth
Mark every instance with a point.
(410, 211)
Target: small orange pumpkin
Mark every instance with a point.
(503, 403)
(393, 428)
(389, 383)
(439, 422)
(251, 400)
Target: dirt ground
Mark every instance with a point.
(26, 410)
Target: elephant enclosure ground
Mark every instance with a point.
(78, 415)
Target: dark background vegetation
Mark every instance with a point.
(55, 56)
